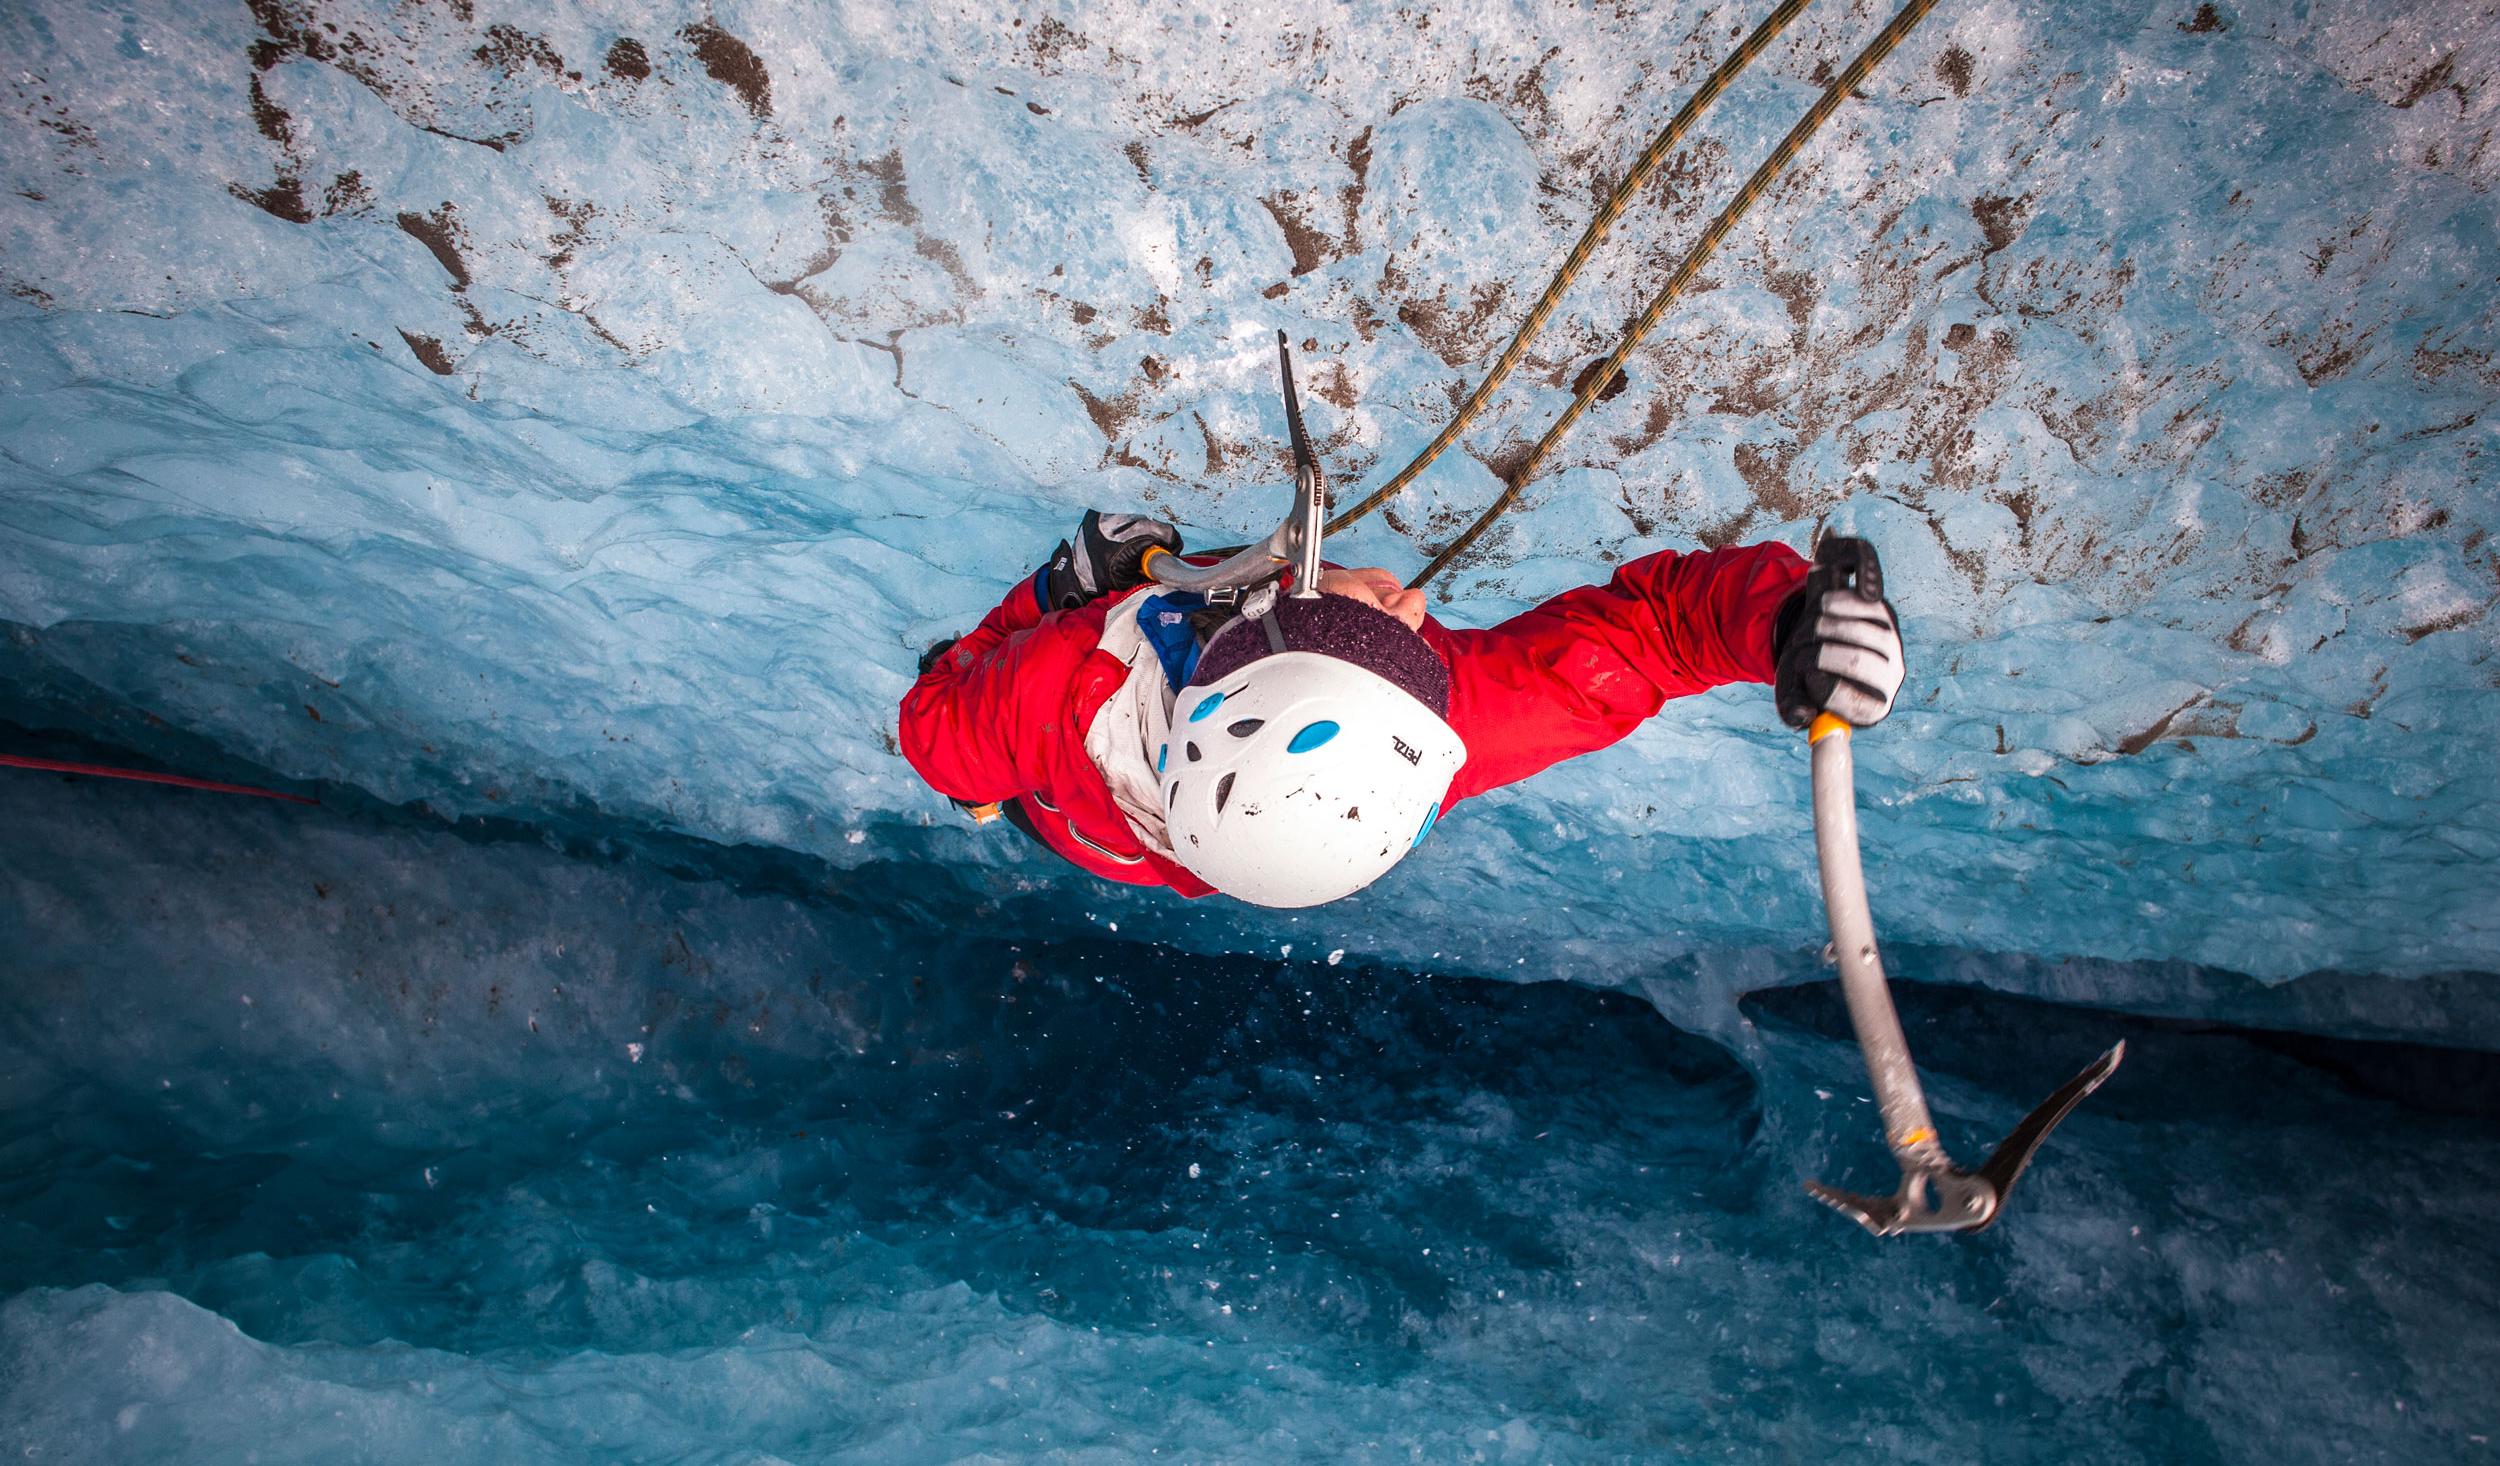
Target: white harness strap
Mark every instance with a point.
(1132, 726)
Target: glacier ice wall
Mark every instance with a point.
(588, 414)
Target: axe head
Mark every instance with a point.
(1944, 1198)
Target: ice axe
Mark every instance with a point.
(1295, 543)
(1935, 1195)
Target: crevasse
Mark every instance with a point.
(552, 434)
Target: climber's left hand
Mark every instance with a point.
(1107, 555)
(1836, 644)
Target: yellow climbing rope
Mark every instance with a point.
(1595, 381)
(1642, 168)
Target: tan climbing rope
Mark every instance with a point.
(1594, 382)
(1643, 168)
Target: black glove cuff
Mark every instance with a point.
(1784, 622)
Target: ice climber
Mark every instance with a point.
(1288, 751)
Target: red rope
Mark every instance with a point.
(179, 781)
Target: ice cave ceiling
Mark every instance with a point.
(584, 415)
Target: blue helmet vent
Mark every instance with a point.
(1312, 737)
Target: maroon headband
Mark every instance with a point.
(1341, 627)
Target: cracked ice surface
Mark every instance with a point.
(538, 413)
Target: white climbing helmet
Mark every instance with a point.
(1295, 777)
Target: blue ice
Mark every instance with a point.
(352, 1134)
(551, 434)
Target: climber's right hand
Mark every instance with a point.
(1835, 643)
(1107, 555)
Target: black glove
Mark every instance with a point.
(1107, 555)
(1836, 643)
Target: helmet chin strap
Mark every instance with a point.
(1259, 605)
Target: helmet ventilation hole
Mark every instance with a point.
(1246, 727)
(1192, 750)
(1312, 737)
(1223, 791)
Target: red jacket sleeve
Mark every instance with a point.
(1584, 669)
(977, 724)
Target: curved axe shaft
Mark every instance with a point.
(1935, 1194)
(1309, 519)
(1294, 544)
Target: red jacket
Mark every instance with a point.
(1002, 715)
